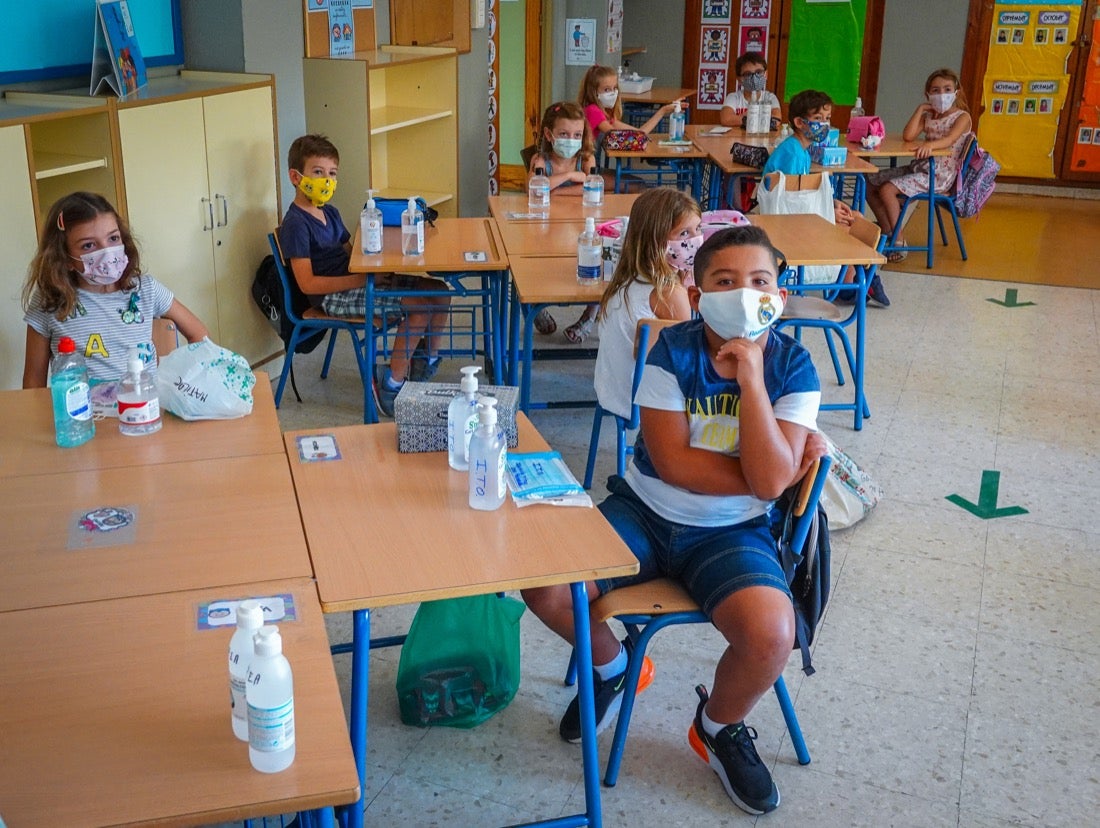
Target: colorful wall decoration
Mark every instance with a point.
(1085, 155)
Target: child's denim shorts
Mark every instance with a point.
(712, 562)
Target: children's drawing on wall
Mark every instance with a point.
(712, 87)
(716, 45)
(716, 11)
(580, 41)
(755, 9)
(614, 25)
(753, 39)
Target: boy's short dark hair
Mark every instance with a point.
(750, 57)
(736, 237)
(310, 146)
(806, 103)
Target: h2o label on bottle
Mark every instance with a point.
(271, 729)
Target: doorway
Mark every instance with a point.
(520, 40)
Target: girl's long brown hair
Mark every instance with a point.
(951, 75)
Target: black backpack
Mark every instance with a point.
(807, 574)
(267, 291)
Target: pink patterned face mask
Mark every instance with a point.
(104, 266)
(680, 253)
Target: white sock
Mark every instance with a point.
(613, 667)
(710, 726)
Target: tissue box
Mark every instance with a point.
(420, 412)
(635, 86)
(828, 156)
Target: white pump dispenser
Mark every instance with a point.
(370, 226)
(462, 419)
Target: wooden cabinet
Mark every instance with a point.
(199, 173)
(392, 114)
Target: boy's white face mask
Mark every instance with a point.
(743, 313)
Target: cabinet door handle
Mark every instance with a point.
(225, 209)
(209, 213)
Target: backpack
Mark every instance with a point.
(267, 291)
(808, 575)
(976, 182)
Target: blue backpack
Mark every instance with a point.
(976, 181)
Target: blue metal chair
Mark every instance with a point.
(646, 609)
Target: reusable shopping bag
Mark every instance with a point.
(460, 662)
(782, 199)
(204, 381)
(849, 494)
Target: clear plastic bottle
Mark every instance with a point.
(269, 691)
(589, 255)
(72, 402)
(487, 459)
(138, 403)
(370, 226)
(592, 195)
(538, 193)
(250, 617)
(462, 419)
(412, 230)
(857, 109)
(677, 123)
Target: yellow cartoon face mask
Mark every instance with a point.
(317, 190)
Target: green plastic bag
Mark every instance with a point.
(460, 662)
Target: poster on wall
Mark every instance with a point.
(614, 26)
(716, 45)
(580, 41)
(1085, 155)
(717, 11)
(341, 28)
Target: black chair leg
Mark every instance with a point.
(294, 385)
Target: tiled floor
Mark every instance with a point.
(958, 678)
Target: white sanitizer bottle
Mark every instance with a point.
(589, 254)
(462, 420)
(269, 691)
(250, 617)
(412, 230)
(487, 459)
(370, 226)
(138, 403)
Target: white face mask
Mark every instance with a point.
(740, 314)
(607, 99)
(104, 266)
(942, 102)
(566, 147)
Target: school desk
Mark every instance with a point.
(386, 528)
(676, 161)
(546, 238)
(116, 712)
(27, 443)
(454, 249)
(657, 95)
(508, 207)
(894, 148)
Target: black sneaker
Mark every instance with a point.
(422, 368)
(383, 396)
(609, 698)
(877, 293)
(732, 755)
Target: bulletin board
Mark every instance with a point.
(1086, 141)
(826, 48)
(1025, 84)
(48, 39)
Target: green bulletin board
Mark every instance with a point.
(825, 48)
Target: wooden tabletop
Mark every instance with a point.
(892, 146)
(718, 150)
(547, 238)
(810, 240)
(199, 523)
(387, 528)
(657, 95)
(513, 207)
(27, 443)
(543, 280)
(445, 248)
(116, 712)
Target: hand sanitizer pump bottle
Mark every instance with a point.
(462, 419)
(370, 226)
(677, 123)
(138, 403)
(487, 459)
(412, 230)
(250, 617)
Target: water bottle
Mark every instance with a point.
(250, 617)
(857, 109)
(269, 691)
(370, 226)
(72, 402)
(677, 123)
(538, 193)
(412, 230)
(138, 403)
(759, 116)
(487, 459)
(592, 195)
(462, 419)
(589, 255)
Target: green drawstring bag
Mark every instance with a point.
(460, 662)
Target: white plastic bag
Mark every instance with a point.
(204, 381)
(781, 201)
(849, 493)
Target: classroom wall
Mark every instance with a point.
(654, 26)
(566, 80)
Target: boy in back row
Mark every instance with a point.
(317, 245)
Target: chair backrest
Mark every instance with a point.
(866, 231)
(285, 276)
(527, 153)
(645, 335)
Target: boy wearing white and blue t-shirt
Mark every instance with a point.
(728, 419)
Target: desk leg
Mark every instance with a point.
(370, 413)
(528, 314)
(697, 179)
(360, 672)
(618, 175)
(513, 335)
(583, 636)
(861, 351)
(931, 206)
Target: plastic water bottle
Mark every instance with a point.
(677, 123)
(269, 691)
(250, 617)
(589, 254)
(370, 226)
(857, 109)
(462, 419)
(412, 230)
(72, 402)
(538, 193)
(138, 403)
(592, 195)
(487, 459)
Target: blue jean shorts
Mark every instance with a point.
(712, 562)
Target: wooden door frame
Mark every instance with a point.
(514, 176)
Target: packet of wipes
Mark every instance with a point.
(543, 477)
